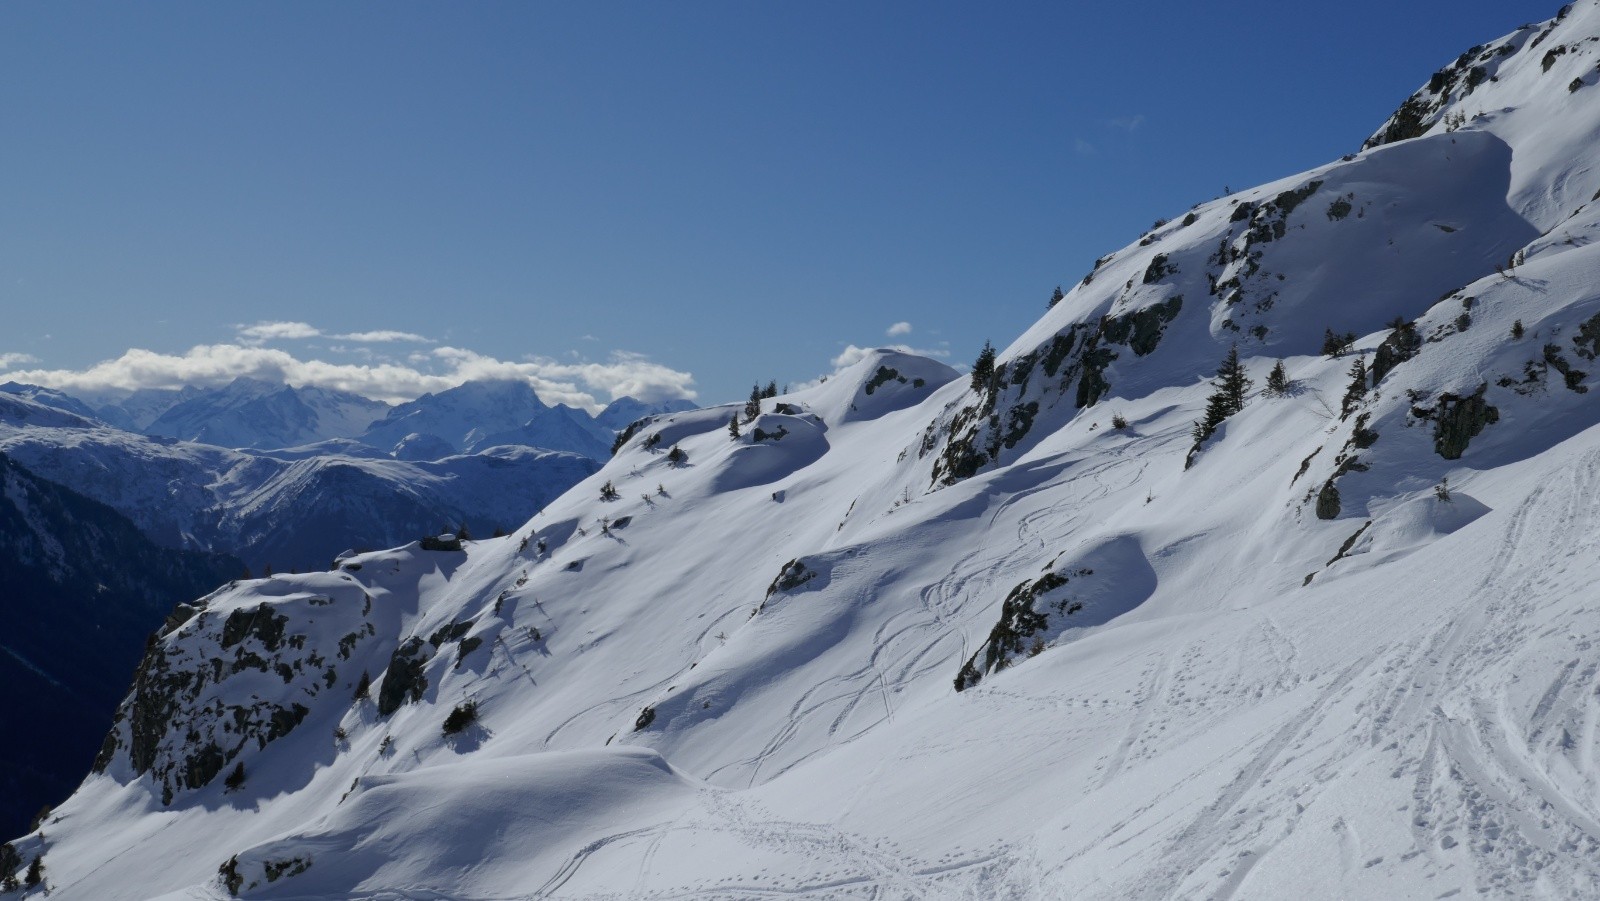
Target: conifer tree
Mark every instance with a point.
(1227, 398)
(363, 686)
(1232, 380)
(771, 390)
(1357, 391)
(35, 871)
(1057, 296)
(1278, 380)
(983, 368)
(733, 426)
(235, 780)
(10, 860)
(752, 407)
(1335, 344)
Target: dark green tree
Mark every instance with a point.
(1335, 344)
(983, 368)
(10, 861)
(1057, 296)
(1357, 392)
(363, 686)
(1232, 380)
(35, 871)
(771, 390)
(752, 407)
(1278, 380)
(1517, 331)
(461, 717)
(733, 426)
(1227, 398)
(676, 456)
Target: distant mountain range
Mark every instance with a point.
(254, 413)
(292, 508)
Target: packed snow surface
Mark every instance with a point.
(1342, 647)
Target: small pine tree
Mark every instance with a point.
(10, 860)
(1118, 421)
(1232, 380)
(1335, 344)
(771, 390)
(1442, 490)
(1517, 330)
(266, 571)
(983, 368)
(752, 407)
(247, 575)
(461, 717)
(676, 456)
(363, 686)
(1216, 411)
(733, 427)
(1057, 296)
(1330, 343)
(1278, 380)
(35, 871)
(1357, 392)
(1227, 398)
(235, 780)
(608, 492)
(462, 534)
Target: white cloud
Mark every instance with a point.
(9, 360)
(898, 329)
(262, 332)
(576, 384)
(1127, 123)
(1084, 148)
(383, 335)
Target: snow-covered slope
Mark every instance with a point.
(254, 413)
(49, 397)
(1017, 634)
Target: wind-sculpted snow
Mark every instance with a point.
(1342, 647)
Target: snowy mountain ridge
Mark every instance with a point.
(1078, 624)
(254, 414)
(292, 509)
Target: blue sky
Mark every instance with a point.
(645, 197)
